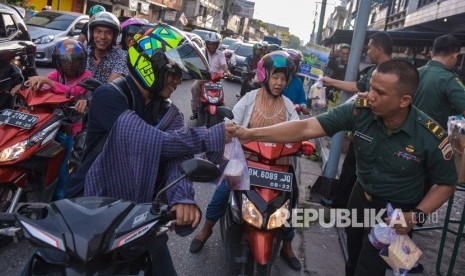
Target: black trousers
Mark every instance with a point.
(347, 179)
(364, 259)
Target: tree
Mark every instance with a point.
(27, 4)
(294, 42)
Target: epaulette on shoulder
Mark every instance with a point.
(362, 103)
(434, 128)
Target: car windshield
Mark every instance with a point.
(202, 34)
(228, 41)
(244, 50)
(51, 20)
(234, 46)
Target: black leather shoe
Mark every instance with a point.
(292, 262)
(197, 245)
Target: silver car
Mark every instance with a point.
(47, 28)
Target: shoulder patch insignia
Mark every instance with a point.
(363, 103)
(460, 82)
(447, 151)
(434, 128)
(443, 143)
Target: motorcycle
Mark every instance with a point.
(30, 157)
(230, 61)
(248, 82)
(113, 245)
(212, 96)
(254, 223)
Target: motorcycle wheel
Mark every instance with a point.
(7, 193)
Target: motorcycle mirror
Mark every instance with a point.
(196, 169)
(90, 84)
(224, 112)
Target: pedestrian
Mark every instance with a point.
(217, 63)
(83, 36)
(105, 60)
(295, 90)
(156, 60)
(397, 146)
(258, 108)
(379, 51)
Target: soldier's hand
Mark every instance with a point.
(402, 225)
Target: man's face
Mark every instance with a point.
(171, 84)
(384, 97)
(103, 37)
(373, 52)
(345, 55)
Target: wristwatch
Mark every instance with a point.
(420, 217)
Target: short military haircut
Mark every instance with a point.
(406, 73)
(382, 40)
(446, 45)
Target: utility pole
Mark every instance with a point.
(358, 40)
(322, 19)
(314, 24)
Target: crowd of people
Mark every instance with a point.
(392, 119)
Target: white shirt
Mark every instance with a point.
(216, 61)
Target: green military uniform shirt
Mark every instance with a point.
(439, 93)
(363, 84)
(392, 165)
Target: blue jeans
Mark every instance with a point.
(219, 202)
(63, 175)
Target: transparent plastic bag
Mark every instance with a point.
(381, 235)
(236, 172)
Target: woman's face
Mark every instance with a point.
(277, 83)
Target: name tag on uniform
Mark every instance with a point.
(364, 137)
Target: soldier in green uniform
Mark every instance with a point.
(396, 146)
(440, 92)
(379, 51)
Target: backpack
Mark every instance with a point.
(79, 150)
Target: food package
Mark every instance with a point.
(236, 171)
(401, 255)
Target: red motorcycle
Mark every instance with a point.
(211, 97)
(255, 220)
(29, 156)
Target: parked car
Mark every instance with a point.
(47, 28)
(203, 33)
(228, 41)
(16, 46)
(240, 53)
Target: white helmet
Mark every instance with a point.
(106, 19)
(212, 37)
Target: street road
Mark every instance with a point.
(210, 261)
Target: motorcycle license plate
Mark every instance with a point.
(18, 119)
(212, 86)
(271, 179)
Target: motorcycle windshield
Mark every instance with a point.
(189, 58)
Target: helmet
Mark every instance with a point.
(130, 27)
(72, 54)
(164, 49)
(272, 61)
(212, 37)
(256, 46)
(106, 19)
(296, 57)
(95, 9)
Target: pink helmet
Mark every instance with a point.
(272, 61)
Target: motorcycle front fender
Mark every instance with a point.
(261, 243)
(211, 109)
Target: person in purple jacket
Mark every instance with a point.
(156, 60)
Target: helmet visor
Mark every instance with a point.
(189, 58)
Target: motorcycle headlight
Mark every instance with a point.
(213, 100)
(280, 216)
(44, 39)
(14, 152)
(250, 213)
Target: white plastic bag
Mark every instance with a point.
(236, 171)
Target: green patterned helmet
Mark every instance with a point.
(164, 49)
(95, 9)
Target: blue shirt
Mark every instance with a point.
(295, 91)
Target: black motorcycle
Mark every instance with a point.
(96, 235)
